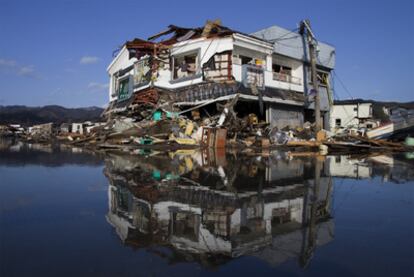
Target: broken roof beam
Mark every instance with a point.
(208, 27)
(179, 31)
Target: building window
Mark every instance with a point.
(284, 74)
(246, 60)
(142, 72)
(338, 122)
(285, 70)
(123, 89)
(114, 86)
(185, 65)
(355, 109)
(322, 78)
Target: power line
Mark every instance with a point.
(284, 35)
(342, 84)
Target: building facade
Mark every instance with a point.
(356, 114)
(202, 66)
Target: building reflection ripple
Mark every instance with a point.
(212, 206)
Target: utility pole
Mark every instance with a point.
(310, 235)
(305, 26)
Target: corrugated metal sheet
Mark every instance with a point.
(291, 44)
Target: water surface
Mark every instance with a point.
(67, 212)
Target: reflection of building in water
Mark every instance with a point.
(396, 168)
(345, 166)
(225, 210)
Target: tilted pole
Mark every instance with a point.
(305, 25)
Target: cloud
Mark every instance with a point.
(89, 60)
(27, 71)
(8, 63)
(98, 87)
(11, 66)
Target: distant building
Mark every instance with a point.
(400, 113)
(77, 128)
(16, 128)
(90, 126)
(65, 128)
(41, 129)
(85, 127)
(352, 114)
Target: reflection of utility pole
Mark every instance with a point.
(309, 243)
(306, 29)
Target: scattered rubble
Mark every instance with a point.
(166, 130)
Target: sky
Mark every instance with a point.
(57, 52)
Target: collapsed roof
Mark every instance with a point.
(139, 47)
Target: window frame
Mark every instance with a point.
(183, 55)
(127, 78)
(338, 120)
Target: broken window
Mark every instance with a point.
(123, 89)
(185, 65)
(282, 69)
(338, 122)
(114, 85)
(142, 72)
(283, 73)
(280, 216)
(246, 60)
(218, 67)
(322, 78)
(185, 225)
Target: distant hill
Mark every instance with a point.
(28, 116)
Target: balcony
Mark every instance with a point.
(282, 77)
(253, 75)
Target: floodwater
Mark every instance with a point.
(67, 212)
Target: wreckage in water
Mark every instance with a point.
(192, 70)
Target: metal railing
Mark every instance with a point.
(286, 78)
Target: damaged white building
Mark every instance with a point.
(185, 68)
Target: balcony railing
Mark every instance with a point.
(253, 75)
(286, 78)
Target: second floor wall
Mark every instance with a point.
(236, 57)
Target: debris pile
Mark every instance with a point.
(40, 133)
(155, 123)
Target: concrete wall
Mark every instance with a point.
(297, 72)
(282, 115)
(346, 113)
(77, 128)
(324, 99)
(350, 114)
(206, 48)
(121, 61)
(364, 110)
(291, 44)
